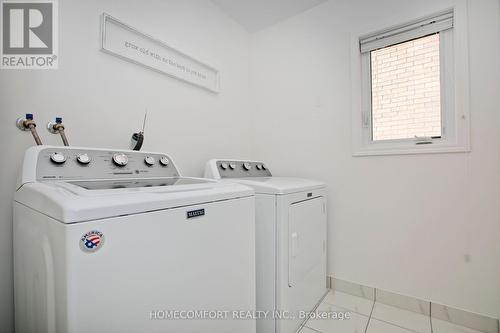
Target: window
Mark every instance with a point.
(408, 89)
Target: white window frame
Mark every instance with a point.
(454, 75)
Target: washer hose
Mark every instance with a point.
(32, 127)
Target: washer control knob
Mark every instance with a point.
(164, 161)
(259, 166)
(247, 166)
(83, 159)
(263, 167)
(224, 165)
(149, 160)
(120, 159)
(58, 158)
(232, 166)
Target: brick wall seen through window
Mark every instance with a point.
(406, 99)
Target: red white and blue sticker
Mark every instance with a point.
(91, 241)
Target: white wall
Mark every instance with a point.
(102, 98)
(424, 225)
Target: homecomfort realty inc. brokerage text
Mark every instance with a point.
(245, 315)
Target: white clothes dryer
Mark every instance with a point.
(290, 241)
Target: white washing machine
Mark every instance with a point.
(117, 241)
(290, 241)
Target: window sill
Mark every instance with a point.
(383, 149)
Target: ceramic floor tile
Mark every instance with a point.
(354, 303)
(355, 323)
(441, 326)
(377, 326)
(307, 330)
(404, 318)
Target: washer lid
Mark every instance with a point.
(279, 185)
(79, 201)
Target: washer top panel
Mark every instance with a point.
(70, 163)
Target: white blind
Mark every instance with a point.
(403, 33)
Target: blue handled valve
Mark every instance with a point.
(57, 127)
(28, 124)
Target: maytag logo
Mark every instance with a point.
(29, 34)
(195, 213)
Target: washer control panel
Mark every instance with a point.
(241, 169)
(68, 163)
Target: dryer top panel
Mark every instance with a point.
(280, 185)
(256, 175)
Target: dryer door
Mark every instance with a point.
(307, 242)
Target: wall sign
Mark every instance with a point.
(128, 43)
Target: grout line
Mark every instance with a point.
(323, 300)
(346, 309)
(371, 312)
(373, 307)
(396, 325)
(387, 322)
(304, 324)
(312, 329)
(430, 316)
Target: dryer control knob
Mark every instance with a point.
(224, 165)
(259, 166)
(164, 161)
(120, 159)
(58, 158)
(232, 166)
(247, 166)
(263, 167)
(149, 160)
(83, 159)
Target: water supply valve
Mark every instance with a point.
(57, 127)
(28, 124)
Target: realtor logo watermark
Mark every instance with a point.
(29, 34)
